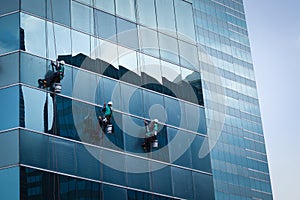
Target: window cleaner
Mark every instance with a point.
(150, 140)
(53, 77)
(105, 121)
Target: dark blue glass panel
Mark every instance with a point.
(137, 173)
(59, 11)
(9, 115)
(203, 186)
(132, 100)
(182, 182)
(154, 106)
(105, 25)
(175, 111)
(110, 192)
(111, 92)
(195, 118)
(10, 35)
(10, 183)
(198, 162)
(116, 174)
(37, 7)
(9, 69)
(161, 178)
(9, 148)
(8, 6)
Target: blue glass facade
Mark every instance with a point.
(185, 63)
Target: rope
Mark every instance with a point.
(52, 20)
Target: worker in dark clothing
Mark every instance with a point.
(53, 76)
(105, 121)
(150, 140)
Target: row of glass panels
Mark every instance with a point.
(34, 109)
(63, 156)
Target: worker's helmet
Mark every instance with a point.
(110, 103)
(62, 62)
(155, 120)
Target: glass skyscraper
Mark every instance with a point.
(185, 63)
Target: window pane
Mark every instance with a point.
(195, 117)
(204, 187)
(188, 55)
(105, 25)
(171, 76)
(127, 33)
(148, 41)
(198, 163)
(9, 115)
(108, 6)
(37, 7)
(8, 6)
(161, 178)
(112, 93)
(80, 48)
(154, 106)
(34, 34)
(165, 17)
(59, 11)
(184, 20)
(9, 69)
(137, 173)
(110, 192)
(132, 100)
(175, 112)
(146, 12)
(126, 9)
(108, 60)
(62, 42)
(168, 48)
(9, 148)
(130, 72)
(151, 73)
(182, 182)
(83, 21)
(10, 35)
(10, 183)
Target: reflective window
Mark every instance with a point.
(108, 59)
(105, 25)
(184, 20)
(168, 48)
(154, 106)
(182, 181)
(110, 192)
(151, 72)
(192, 86)
(203, 186)
(132, 101)
(10, 183)
(165, 17)
(9, 115)
(59, 11)
(37, 7)
(148, 41)
(34, 34)
(134, 133)
(9, 69)
(137, 173)
(83, 21)
(195, 118)
(188, 55)
(108, 6)
(80, 48)
(127, 33)
(126, 9)
(175, 112)
(171, 76)
(10, 35)
(111, 91)
(200, 163)
(130, 72)
(9, 148)
(61, 46)
(161, 178)
(117, 174)
(146, 13)
(8, 6)
(179, 147)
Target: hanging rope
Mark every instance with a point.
(53, 31)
